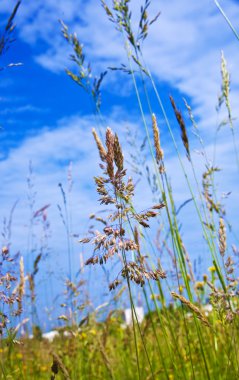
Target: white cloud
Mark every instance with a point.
(51, 151)
(22, 109)
(183, 47)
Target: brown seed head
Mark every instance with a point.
(192, 307)
(110, 152)
(58, 365)
(158, 149)
(222, 237)
(22, 279)
(101, 149)
(225, 87)
(118, 155)
(182, 126)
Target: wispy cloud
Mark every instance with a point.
(22, 109)
(183, 47)
(52, 150)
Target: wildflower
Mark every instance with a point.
(180, 289)
(83, 336)
(199, 285)
(205, 278)
(212, 269)
(5, 250)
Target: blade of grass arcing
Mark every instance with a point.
(183, 267)
(227, 19)
(142, 113)
(211, 244)
(147, 133)
(124, 16)
(186, 145)
(182, 262)
(6, 37)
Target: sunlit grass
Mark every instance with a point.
(191, 327)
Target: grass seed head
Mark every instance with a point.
(158, 149)
(182, 126)
(100, 146)
(222, 237)
(110, 138)
(192, 307)
(118, 155)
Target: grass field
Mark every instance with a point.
(191, 326)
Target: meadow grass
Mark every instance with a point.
(179, 338)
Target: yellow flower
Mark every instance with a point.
(212, 269)
(83, 336)
(180, 289)
(199, 285)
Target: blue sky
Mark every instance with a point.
(47, 119)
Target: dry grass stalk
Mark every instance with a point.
(207, 184)
(158, 149)
(110, 152)
(6, 38)
(20, 289)
(225, 88)
(192, 307)
(106, 360)
(117, 190)
(182, 126)
(31, 277)
(22, 278)
(120, 15)
(118, 155)
(136, 239)
(222, 237)
(223, 300)
(190, 267)
(137, 273)
(9, 296)
(101, 149)
(84, 77)
(58, 365)
(212, 286)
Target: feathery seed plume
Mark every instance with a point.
(101, 149)
(225, 87)
(192, 307)
(158, 149)
(110, 138)
(118, 155)
(222, 237)
(182, 126)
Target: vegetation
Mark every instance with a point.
(180, 337)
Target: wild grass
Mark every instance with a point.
(180, 337)
(106, 350)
